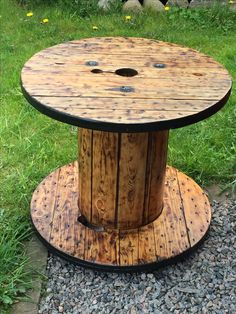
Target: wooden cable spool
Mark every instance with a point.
(119, 207)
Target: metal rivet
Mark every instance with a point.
(159, 65)
(126, 89)
(92, 63)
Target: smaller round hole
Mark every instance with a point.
(126, 72)
(96, 71)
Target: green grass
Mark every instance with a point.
(32, 145)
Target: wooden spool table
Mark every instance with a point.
(119, 207)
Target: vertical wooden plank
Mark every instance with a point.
(155, 175)
(146, 244)
(79, 229)
(66, 209)
(133, 156)
(104, 168)
(170, 228)
(128, 248)
(43, 204)
(197, 210)
(102, 247)
(85, 172)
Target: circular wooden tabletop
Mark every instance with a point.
(125, 84)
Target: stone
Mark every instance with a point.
(104, 4)
(154, 5)
(132, 5)
(178, 3)
(200, 3)
(133, 310)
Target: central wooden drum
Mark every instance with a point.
(120, 207)
(121, 177)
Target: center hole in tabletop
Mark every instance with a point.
(126, 72)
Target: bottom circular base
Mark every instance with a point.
(182, 225)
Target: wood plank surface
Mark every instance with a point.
(104, 178)
(196, 207)
(132, 168)
(60, 79)
(121, 177)
(43, 204)
(81, 104)
(66, 210)
(170, 235)
(186, 70)
(85, 171)
(102, 246)
(129, 247)
(170, 230)
(155, 175)
(146, 244)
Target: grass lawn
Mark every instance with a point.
(32, 145)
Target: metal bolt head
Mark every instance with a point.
(126, 89)
(159, 65)
(92, 63)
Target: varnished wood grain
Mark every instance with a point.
(196, 209)
(121, 177)
(85, 170)
(133, 159)
(65, 216)
(171, 236)
(104, 178)
(174, 232)
(155, 174)
(191, 86)
(46, 197)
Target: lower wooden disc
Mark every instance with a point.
(181, 226)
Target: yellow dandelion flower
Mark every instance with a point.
(128, 18)
(29, 14)
(95, 28)
(44, 21)
(231, 2)
(167, 8)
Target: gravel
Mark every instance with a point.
(204, 283)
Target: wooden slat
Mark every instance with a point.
(105, 146)
(66, 210)
(175, 70)
(122, 46)
(76, 104)
(77, 63)
(43, 204)
(130, 111)
(155, 175)
(109, 80)
(79, 229)
(102, 247)
(113, 116)
(128, 248)
(196, 208)
(132, 179)
(85, 172)
(177, 91)
(146, 245)
(170, 229)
